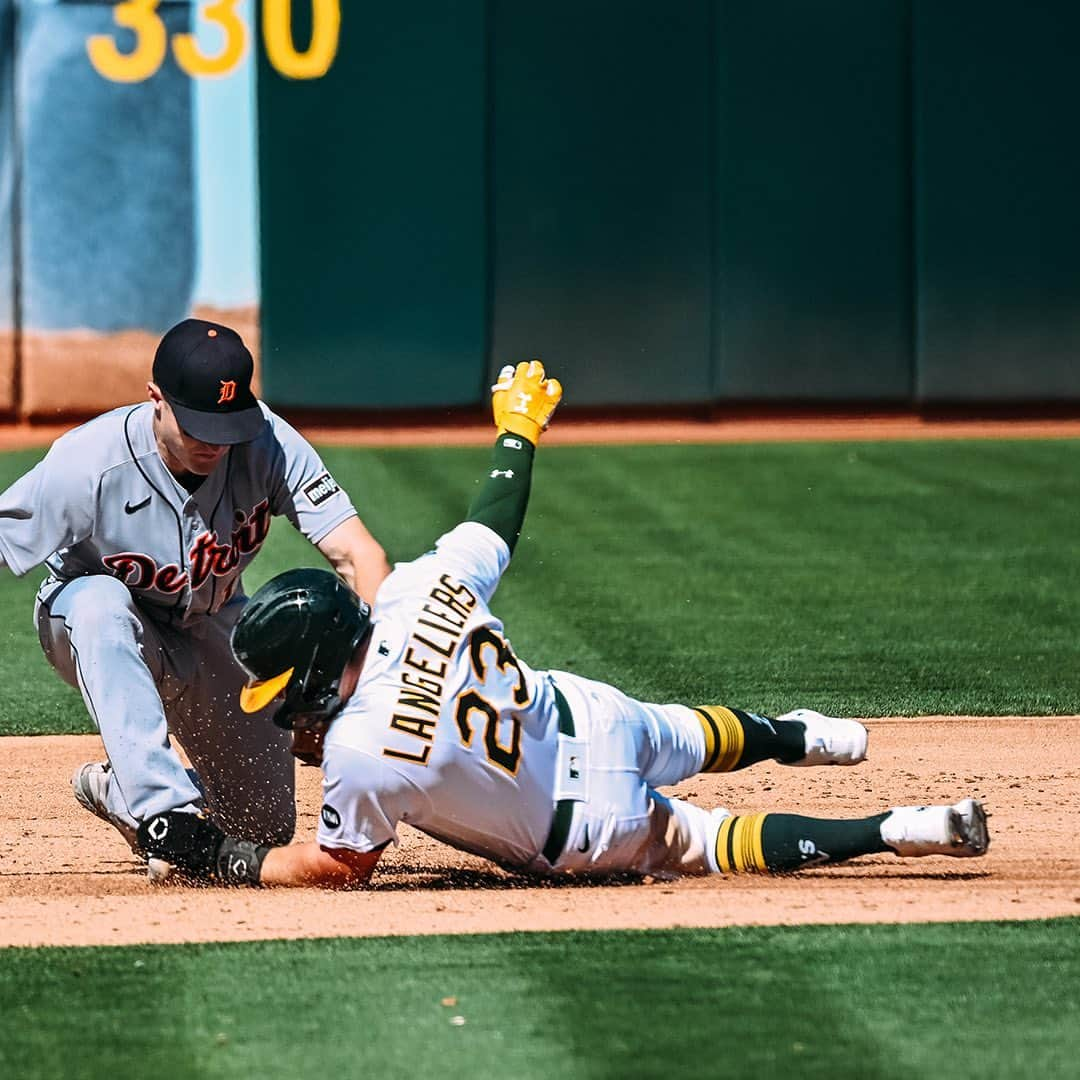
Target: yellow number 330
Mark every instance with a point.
(151, 41)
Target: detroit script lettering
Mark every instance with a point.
(207, 556)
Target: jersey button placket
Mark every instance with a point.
(194, 527)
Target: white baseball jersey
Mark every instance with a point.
(447, 729)
(103, 502)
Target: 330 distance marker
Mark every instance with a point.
(152, 41)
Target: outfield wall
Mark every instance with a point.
(110, 169)
(7, 209)
(704, 202)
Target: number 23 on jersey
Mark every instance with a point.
(489, 653)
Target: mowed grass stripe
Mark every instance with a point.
(947, 1000)
(857, 578)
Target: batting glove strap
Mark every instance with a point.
(523, 400)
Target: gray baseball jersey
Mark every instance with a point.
(143, 592)
(103, 502)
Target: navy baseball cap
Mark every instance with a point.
(204, 372)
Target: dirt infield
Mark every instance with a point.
(67, 878)
(578, 431)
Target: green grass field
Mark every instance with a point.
(863, 579)
(955, 1000)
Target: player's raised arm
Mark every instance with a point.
(523, 401)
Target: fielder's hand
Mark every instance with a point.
(523, 401)
(198, 849)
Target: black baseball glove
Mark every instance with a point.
(198, 849)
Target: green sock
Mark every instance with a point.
(735, 739)
(791, 842)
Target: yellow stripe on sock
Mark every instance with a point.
(712, 736)
(722, 860)
(746, 847)
(724, 738)
(757, 848)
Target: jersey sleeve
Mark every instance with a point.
(50, 507)
(304, 491)
(364, 798)
(476, 555)
(471, 553)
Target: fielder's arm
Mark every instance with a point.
(522, 402)
(198, 850)
(356, 556)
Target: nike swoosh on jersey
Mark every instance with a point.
(129, 509)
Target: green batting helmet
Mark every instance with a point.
(294, 638)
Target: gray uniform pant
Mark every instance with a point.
(143, 680)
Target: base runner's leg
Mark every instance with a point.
(735, 738)
(95, 638)
(244, 761)
(688, 840)
(783, 843)
(677, 742)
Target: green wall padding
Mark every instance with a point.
(710, 201)
(373, 213)
(601, 195)
(813, 268)
(997, 181)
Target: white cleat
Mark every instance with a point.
(90, 783)
(958, 830)
(829, 740)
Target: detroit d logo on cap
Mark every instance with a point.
(228, 391)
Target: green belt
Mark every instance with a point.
(564, 808)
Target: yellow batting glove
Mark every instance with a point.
(523, 400)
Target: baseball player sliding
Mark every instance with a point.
(145, 518)
(424, 714)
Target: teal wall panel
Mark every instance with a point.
(373, 213)
(601, 195)
(997, 180)
(710, 201)
(812, 295)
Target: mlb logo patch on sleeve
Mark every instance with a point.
(318, 491)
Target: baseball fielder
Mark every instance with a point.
(424, 714)
(146, 517)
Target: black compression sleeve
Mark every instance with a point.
(501, 502)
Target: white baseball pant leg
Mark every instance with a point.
(634, 747)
